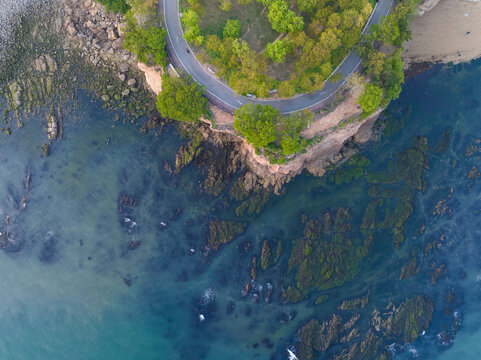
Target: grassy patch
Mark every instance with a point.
(255, 28)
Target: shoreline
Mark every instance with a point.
(337, 129)
(447, 32)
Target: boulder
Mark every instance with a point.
(124, 67)
(71, 28)
(131, 82)
(112, 34)
(117, 44)
(52, 127)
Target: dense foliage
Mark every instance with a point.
(309, 45)
(116, 6)
(181, 99)
(265, 127)
(232, 29)
(147, 43)
(370, 99)
(257, 124)
(385, 71)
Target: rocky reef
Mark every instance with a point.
(223, 232)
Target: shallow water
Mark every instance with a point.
(76, 289)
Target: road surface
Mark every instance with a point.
(228, 100)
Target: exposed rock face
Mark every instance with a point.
(426, 5)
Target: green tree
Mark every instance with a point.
(278, 50)
(190, 20)
(283, 19)
(232, 29)
(225, 5)
(291, 126)
(370, 99)
(307, 5)
(392, 77)
(181, 99)
(145, 43)
(257, 124)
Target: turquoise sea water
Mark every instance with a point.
(72, 287)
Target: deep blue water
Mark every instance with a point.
(76, 290)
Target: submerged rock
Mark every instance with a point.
(46, 150)
(474, 173)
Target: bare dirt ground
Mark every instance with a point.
(345, 110)
(153, 76)
(451, 31)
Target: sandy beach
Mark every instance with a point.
(451, 31)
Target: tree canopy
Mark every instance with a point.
(257, 124)
(315, 36)
(145, 43)
(278, 50)
(232, 29)
(370, 99)
(181, 99)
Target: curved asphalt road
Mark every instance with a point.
(229, 100)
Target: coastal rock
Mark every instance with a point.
(71, 28)
(52, 127)
(112, 34)
(320, 336)
(117, 44)
(474, 173)
(266, 255)
(411, 317)
(124, 67)
(223, 232)
(426, 5)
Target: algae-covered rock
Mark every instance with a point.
(443, 143)
(381, 177)
(15, 95)
(411, 163)
(352, 170)
(46, 149)
(254, 204)
(266, 255)
(366, 349)
(321, 299)
(186, 154)
(474, 173)
(292, 295)
(357, 303)
(320, 336)
(325, 259)
(401, 192)
(410, 319)
(278, 251)
(223, 232)
(437, 273)
(409, 270)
